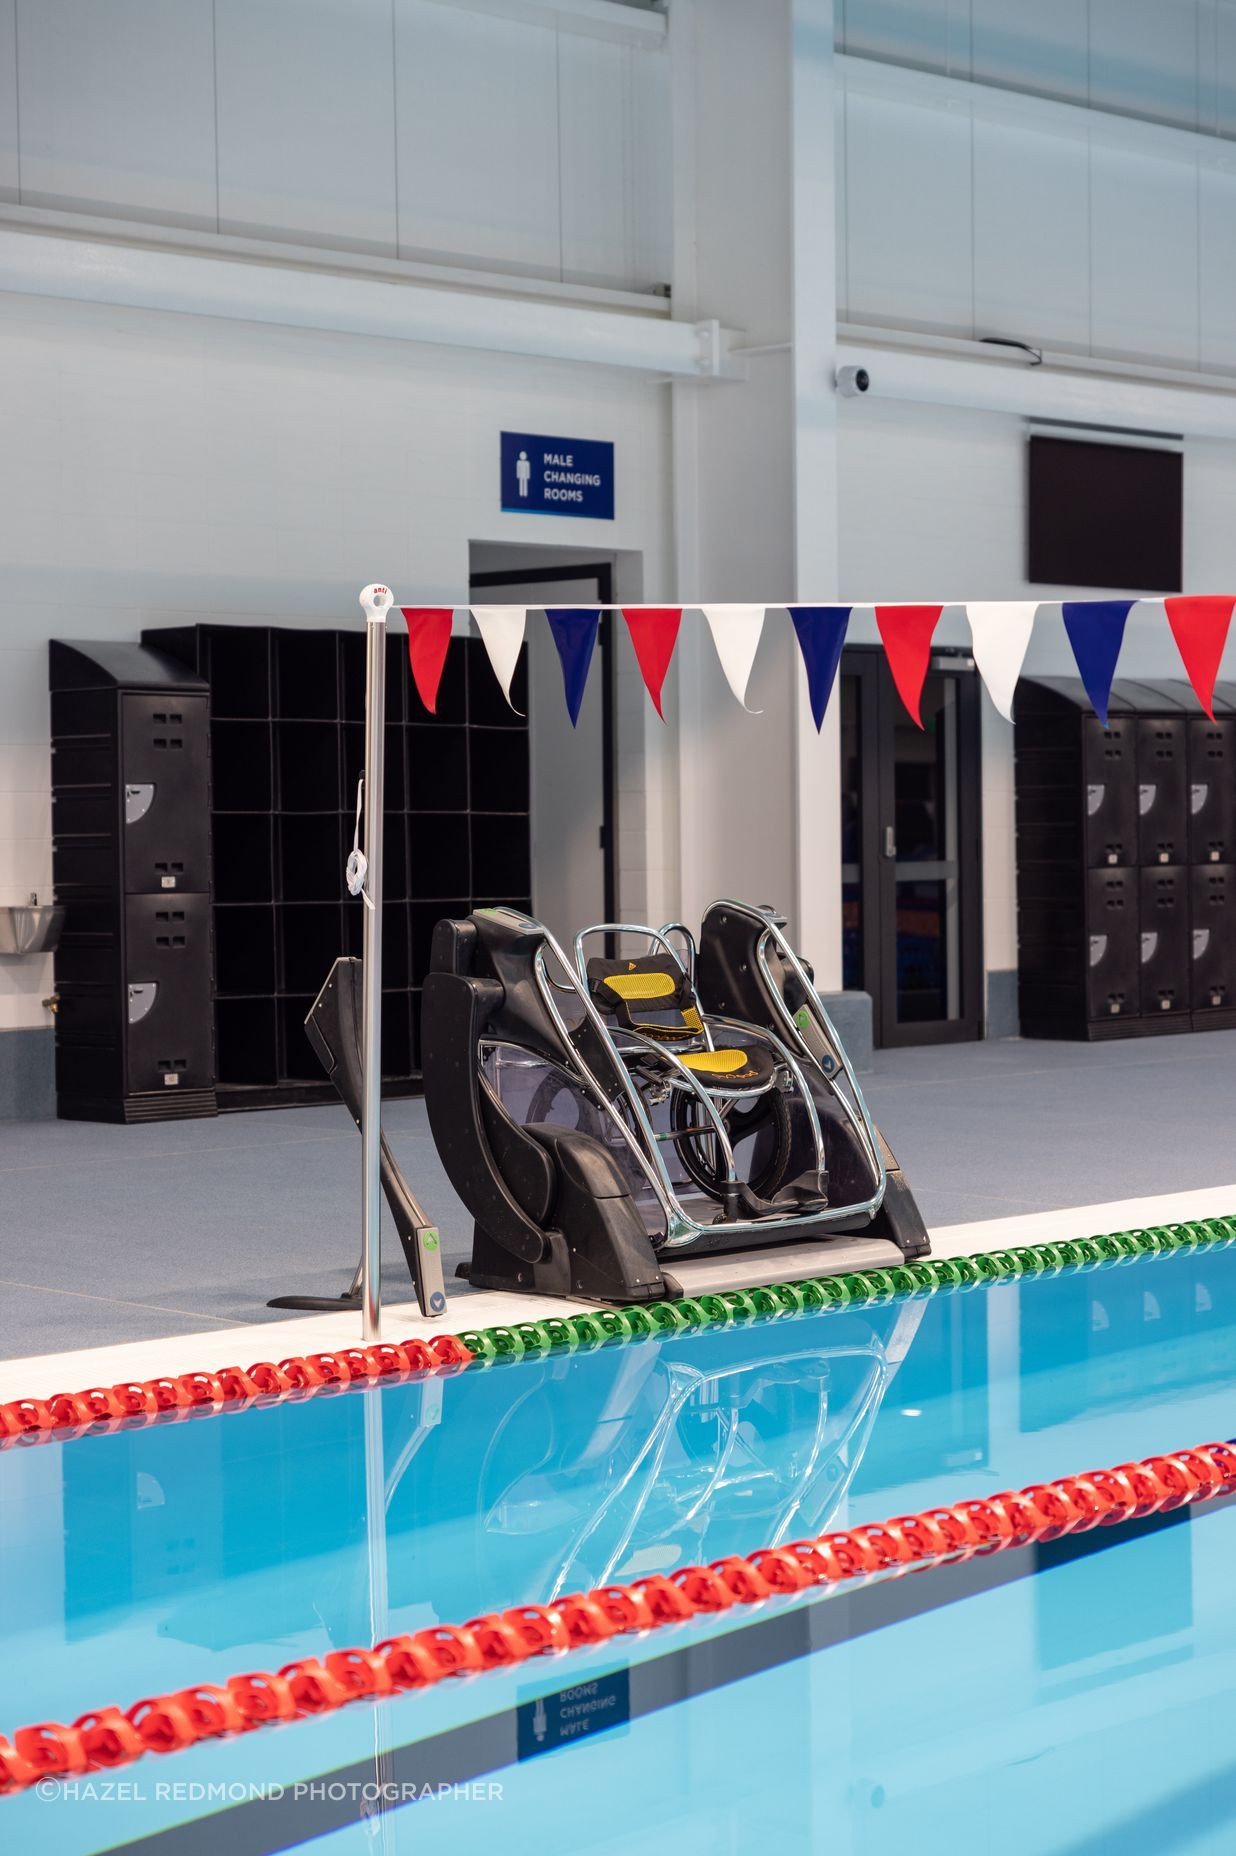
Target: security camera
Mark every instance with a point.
(852, 381)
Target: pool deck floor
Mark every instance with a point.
(150, 1249)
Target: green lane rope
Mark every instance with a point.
(607, 1327)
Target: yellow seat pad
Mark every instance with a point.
(640, 985)
(715, 1062)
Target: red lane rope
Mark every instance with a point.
(138, 1402)
(108, 1736)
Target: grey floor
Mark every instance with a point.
(109, 1233)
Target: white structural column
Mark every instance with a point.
(755, 461)
(817, 815)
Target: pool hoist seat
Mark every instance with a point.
(603, 1117)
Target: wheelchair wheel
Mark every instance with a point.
(557, 1100)
(765, 1116)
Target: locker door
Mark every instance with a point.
(1213, 925)
(1112, 988)
(1162, 799)
(1164, 936)
(168, 1033)
(1109, 759)
(166, 804)
(1212, 790)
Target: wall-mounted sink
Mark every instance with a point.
(30, 928)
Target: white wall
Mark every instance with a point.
(156, 469)
(933, 507)
(971, 211)
(403, 128)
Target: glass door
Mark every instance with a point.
(910, 849)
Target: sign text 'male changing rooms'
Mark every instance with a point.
(557, 476)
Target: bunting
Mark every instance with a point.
(502, 631)
(736, 633)
(1200, 626)
(429, 634)
(1096, 633)
(1000, 630)
(575, 633)
(907, 632)
(654, 633)
(1000, 633)
(821, 634)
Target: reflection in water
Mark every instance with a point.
(681, 1451)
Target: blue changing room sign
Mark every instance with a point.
(557, 476)
(574, 1714)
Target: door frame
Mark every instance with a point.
(603, 573)
(878, 704)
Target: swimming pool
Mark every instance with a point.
(142, 1561)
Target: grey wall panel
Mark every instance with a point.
(118, 108)
(1144, 59)
(1143, 220)
(1031, 235)
(908, 214)
(615, 163)
(477, 99)
(931, 33)
(307, 121)
(1038, 48)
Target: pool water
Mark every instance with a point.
(141, 1561)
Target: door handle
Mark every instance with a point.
(890, 841)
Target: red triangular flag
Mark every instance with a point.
(654, 633)
(429, 633)
(1199, 625)
(907, 632)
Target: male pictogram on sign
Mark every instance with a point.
(523, 473)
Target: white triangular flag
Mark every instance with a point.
(736, 633)
(1001, 632)
(502, 628)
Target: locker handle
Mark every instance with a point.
(890, 841)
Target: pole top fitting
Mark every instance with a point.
(376, 602)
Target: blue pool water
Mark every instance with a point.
(142, 1561)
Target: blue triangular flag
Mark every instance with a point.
(575, 633)
(821, 634)
(1096, 632)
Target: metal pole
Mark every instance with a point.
(376, 601)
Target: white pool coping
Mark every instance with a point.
(39, 1375)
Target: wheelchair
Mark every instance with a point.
(606, 1115)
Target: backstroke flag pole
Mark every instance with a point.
(375, 602)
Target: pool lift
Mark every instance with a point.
(661, 1120)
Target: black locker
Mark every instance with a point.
(1212, 789)
(165, 757)
(1151, 797)
(1109, 764)
(1213, 923)
(131, 865)
(1112, 975)
(167, 963)
(1162, 795)
(1164, 940)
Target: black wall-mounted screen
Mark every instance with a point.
(1105, 515)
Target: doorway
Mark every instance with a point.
(911, 856)
(574, 842)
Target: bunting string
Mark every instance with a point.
(1000, 631)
